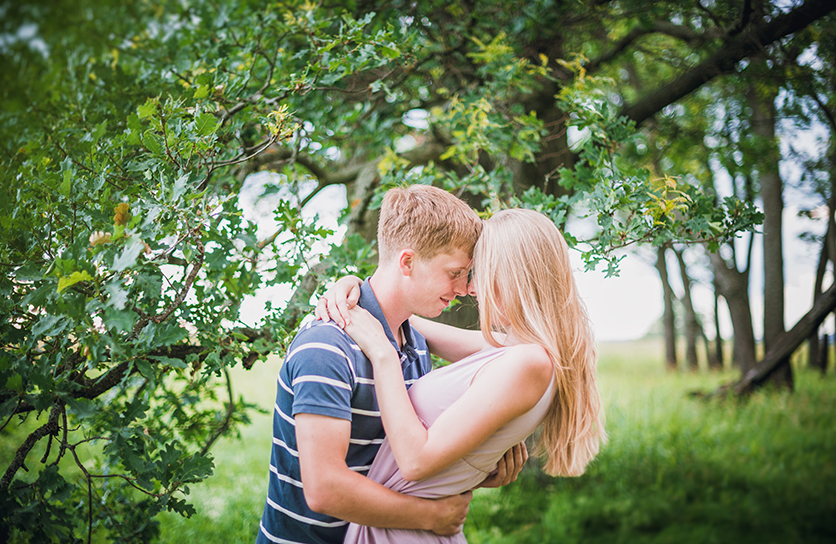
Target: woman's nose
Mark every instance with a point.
(471, 288)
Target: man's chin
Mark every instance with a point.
(430, 314)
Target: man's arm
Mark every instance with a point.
(333, 489)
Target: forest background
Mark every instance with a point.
(162, 167)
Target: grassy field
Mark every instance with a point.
(676, 468)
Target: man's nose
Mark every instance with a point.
(460, 287)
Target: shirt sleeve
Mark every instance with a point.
(321, 372)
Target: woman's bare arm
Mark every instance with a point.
(484, 408)
(448, 342)
(335, 303)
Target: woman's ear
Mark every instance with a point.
(406, 261)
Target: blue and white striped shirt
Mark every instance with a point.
(325, 373)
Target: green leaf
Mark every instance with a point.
(15, 383)
(99, 131)
(66, 185)
(150, 141)
(120, 320)
(181, 507)
(196, 468)
(174, 363)
(72, 279)
(201, 91)
(134, 129)
(118, 296)
(9, 406)
(148, 109)
(206, 124)
(145, 369)
(169, 333)
(82, 408)
(50, 325)
(29, 272)
(180, 186)
(128, 256)
(390, 52)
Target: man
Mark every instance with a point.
(326, 427)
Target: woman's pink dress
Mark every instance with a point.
(430, 396)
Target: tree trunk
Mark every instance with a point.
(734, 287)
(761, 99)
(668, 316)
(824, 354)
(692, 325)
(716, 362)
(815, 351)
(554, 153)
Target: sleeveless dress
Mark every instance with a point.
(430, 396)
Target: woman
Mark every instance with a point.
(533, 363)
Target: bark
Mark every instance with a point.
(761, 99)
(692, 325)
(749, 42)
(668, 317)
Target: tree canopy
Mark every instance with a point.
(129, 128)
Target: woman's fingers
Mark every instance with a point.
(321, 310)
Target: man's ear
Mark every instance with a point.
(406, 261)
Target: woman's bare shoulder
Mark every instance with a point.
(534, 356)
(524, 366)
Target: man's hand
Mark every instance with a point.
(508, 468)
(452, 514)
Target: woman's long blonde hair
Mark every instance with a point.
(524, 284)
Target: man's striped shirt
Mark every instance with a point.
(326, 373)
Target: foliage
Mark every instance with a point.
(128, 130)
(126, 255)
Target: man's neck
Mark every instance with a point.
(389, 297)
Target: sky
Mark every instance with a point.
(621, 308)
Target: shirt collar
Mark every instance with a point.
(368, 301)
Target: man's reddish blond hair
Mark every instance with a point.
(426, 219)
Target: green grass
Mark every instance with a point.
(676, 468)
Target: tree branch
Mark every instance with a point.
(50, 428)
(659, 27)
(784, 345)
(724, 60)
